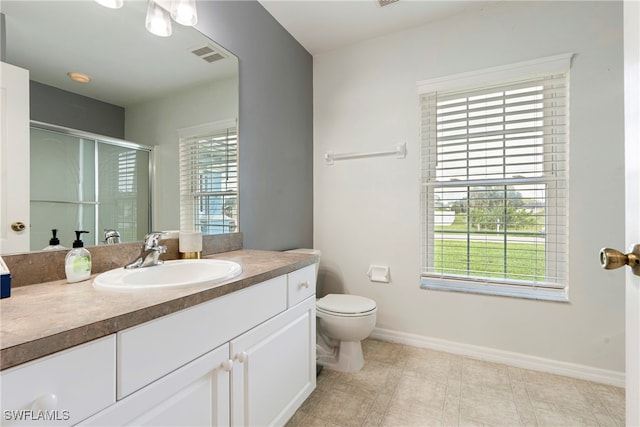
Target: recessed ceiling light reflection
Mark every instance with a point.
(79, 77)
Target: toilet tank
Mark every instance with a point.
(309, 251)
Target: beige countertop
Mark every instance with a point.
(41, 319)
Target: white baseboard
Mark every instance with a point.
(518, 360)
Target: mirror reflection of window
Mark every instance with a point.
(209, 180)
(126, 172)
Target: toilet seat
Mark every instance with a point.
(345, 305)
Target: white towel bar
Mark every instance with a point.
(400, 152)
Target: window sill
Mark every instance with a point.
(495, 289)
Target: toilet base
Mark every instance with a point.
(345, 358)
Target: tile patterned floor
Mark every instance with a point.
(406, 386)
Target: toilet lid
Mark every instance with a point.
(345, 304)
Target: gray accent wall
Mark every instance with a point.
(276, 123)
(3, 38)
(51, 105)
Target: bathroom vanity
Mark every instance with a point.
(242, 353)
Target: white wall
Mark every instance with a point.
(367, 211)
(156, 123)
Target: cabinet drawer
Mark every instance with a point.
(82, 379)
(153, 349)
(301, 284)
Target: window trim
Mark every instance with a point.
(468, 81)
(206, 128)
(504, 73)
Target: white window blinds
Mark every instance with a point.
(209, 181)
(494, 188)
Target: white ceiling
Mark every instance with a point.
(129, 65)
(324, 25)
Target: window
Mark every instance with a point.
(209, 178)
(494, 183)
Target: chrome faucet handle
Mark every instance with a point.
(151, 240)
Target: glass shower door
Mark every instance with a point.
(82, 181)
(63, 187)
(123, 176)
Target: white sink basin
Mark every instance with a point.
(170, 274)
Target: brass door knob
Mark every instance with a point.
(18, 226)
(611, 258)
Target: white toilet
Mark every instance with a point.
(342, 322)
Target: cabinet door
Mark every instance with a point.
(274, 368)
(195, 395)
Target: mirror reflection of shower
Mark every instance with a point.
(82, 181)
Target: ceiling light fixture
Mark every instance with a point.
(157, 21)
(111, 4)
(79, 77)
(184, 12)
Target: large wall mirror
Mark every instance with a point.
(166, 87)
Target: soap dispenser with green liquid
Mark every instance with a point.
(77, 263)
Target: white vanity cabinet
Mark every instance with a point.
(247, 358)
(275, 363)
(153, 349)
(274, 368)
(61, 389)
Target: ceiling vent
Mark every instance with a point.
(208, 53)
(386, 2)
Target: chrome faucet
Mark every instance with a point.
(150, 252)
(111, 236)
